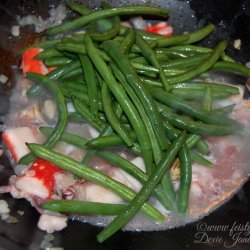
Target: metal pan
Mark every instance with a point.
(232, 18)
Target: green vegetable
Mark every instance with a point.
(185, 179)
(128, 10)
(93, 175)
(62, 113)
(145, 192)
(83, 207)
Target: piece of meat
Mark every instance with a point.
(15, 139)
(39, 180)
(52, 223)
(161, 28)
(31, 64)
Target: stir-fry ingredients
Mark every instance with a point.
(125, 123)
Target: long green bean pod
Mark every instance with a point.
(99, 35)
(84, 111)
(143, 94)
(150, 55)
(124, 101)
(128, 10)
(93, 175)
(83, 207)
(90, 77)
(185, 179)
(62, 113)
(192, 126)
(112, 117)
(202, 67)
(186, 38)
(143, 195)
(79, 8)
(192, 110)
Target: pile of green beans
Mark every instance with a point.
(140, 91)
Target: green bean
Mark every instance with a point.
(185, 179)
(83, 207)
(172, 133)
(146, 35)
(73, 86)
(173, 72)
(198, 49)
(149, 54)
(48, 53)
(123, 99)
(232, 67)
(114, 159)
(202, 67)
(92, 175)
(128, 41)
(108, 141)
(188, 38)
(202, 147)
(128, 10)
(157, 153)
(225, 110)
(68, 137)
(185, 62)
(150, 82)
(78, 48)
(145, 191)
(83, 97)
(72, 47)
(136, 49)
(165, 54)
(83, 110)
(88, 156)
(79, 8)
(140, 60)
(143, 94)
(90, 77)
(154, 142)
(207, 102)
(74, 82)
(56, 61)
(75, 117)
(70, 55)
(199, 34)
(192, 139)
(139, 66)
(62, 113)
(46, 44)
(136, 172)
(200, 159)
(171, 40)
(202, 85)
(184, 106)
(112, 118)
(192, 126)
(146, 73)
(60, 71)
(105, 132)
(99, 35)
(168, 187)
(77, 72)
(196, 94)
